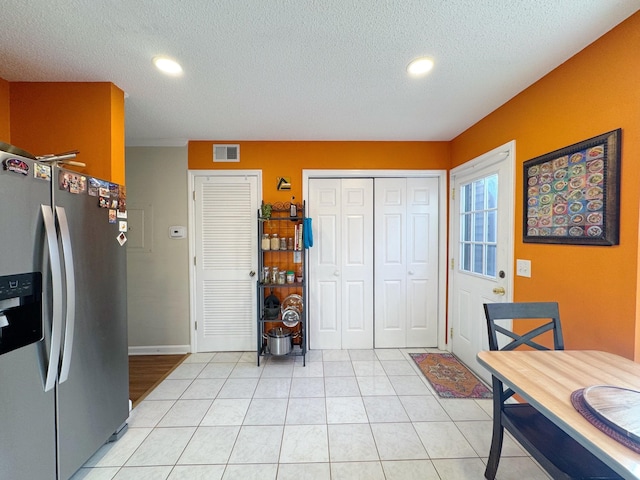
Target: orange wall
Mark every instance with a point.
(117, 136)
(288, 159)
(58, 117)
(594, 92)
(5, 130)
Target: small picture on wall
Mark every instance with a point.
(571, 195)
(284, 183)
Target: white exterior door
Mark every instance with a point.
(406, 262)
(481, 249)
(225, 215)
(341, 263)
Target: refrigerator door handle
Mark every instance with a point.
(56, 285)
(71, 293)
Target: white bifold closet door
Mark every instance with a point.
(341, 263)
(406, 262)
(373, 269)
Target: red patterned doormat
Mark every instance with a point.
(449, 377)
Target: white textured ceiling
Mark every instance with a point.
(301, 69)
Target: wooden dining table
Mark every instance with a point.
(546, 379)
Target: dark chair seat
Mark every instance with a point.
(559, 454)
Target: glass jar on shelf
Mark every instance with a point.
(282, 277)
(265, 244)
(283, 243)
(275, 242)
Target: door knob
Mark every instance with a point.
(336, 273)
(252, 273)
(499, 291)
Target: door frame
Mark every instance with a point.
(507, 150)
(192, 174)
(441, 175)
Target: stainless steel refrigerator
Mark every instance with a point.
(63, 321)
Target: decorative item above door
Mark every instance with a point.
(284, 183)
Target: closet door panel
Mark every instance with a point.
(355, 323)
(354, 293)
(328, 315)
(392, 243)
(390, 262)
(386, 226)
(422, 262)
(354, 242)
(325, 289)
(328, 285)
(357, 263)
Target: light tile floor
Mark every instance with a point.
(346, 415)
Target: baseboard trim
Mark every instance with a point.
(160, 350)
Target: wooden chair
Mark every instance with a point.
(559, 454)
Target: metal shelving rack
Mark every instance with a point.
(281, 222)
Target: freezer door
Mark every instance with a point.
(93, 401)
(27, 413)
(27, 422)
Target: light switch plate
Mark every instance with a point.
(523, 268)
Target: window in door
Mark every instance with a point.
(478, 226)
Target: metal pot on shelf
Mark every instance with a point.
(279, 341)
(291, 310)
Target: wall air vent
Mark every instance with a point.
(226, 153)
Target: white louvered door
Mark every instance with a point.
(225, 264)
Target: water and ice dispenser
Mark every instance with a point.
(20, 310)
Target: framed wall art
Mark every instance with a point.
(572, 195)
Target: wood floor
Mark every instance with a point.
(147, 371)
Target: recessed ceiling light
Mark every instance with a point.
(420, 66)
(167, 65)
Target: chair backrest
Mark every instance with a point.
(522, 311)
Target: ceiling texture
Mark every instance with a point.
(301, 69)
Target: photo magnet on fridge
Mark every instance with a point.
(42, 172)
(72, 182)
(122, 199)
(122, 239)
(16, 166)
(98, 187)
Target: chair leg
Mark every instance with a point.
(494, 453)
(498, 431)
